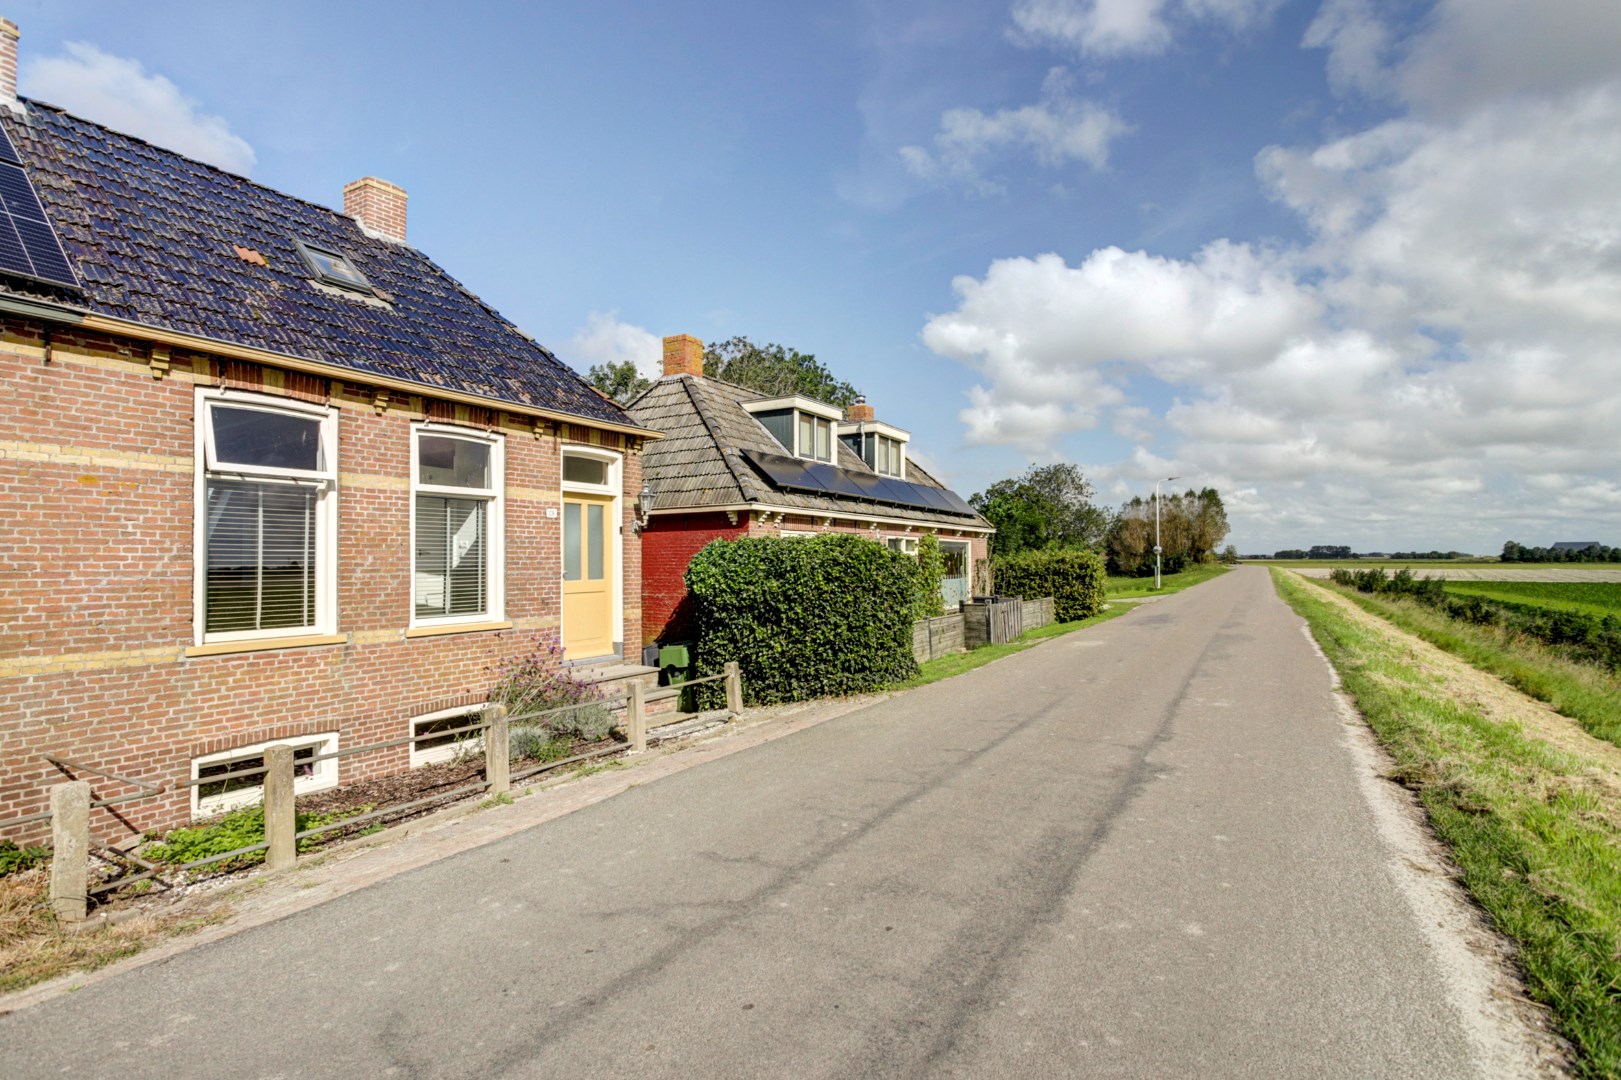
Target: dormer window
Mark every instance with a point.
(882, 446)
(803, 426)
(888, 458)
(815, 438)
(333, 267)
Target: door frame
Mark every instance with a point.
(614, 490)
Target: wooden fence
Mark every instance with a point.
(932, 638)
(975, 625)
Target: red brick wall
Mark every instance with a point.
(96, 577)
(668, 544)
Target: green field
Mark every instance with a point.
(1128, 588)
(1392, 564)
(1587, 597)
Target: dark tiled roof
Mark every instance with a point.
(152, 235)
(698, 463)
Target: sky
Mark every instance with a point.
(1355, 264)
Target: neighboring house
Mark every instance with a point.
(269, 473)
(737, 463)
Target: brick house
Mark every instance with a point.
(738, 463)
(268, 473)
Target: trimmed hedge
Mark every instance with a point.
(1073, 577)
(804, 617)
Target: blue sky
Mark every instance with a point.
(1354, 264)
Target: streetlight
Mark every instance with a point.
(1157, 549)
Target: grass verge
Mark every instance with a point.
(946, 666)
(34, 948)
(1586, 693)
(1537, 839)
(1127, 588)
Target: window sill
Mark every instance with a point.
(456, 628)
(221, 648)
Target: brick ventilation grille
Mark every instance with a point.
(683, 355)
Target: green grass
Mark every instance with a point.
(1126, 588)
(1538, 849)
(1388, 564)
(945, 667)
(1587, 694)
(1587, 597)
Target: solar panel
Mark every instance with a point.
(817, 478)
(28, 244)
(930, 497)
(837, 481)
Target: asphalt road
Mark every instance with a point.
(1139, 850)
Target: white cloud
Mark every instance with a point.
(605, 340)
(1057, 131)
(1434, 366)
(119, 93)
(1109, 28)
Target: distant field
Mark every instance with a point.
(1389, 564)
(1460, 571)
(1589, 597)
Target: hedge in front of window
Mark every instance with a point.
(1073, 577)
(804, 618)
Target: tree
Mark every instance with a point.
(1191, 527)
(619, 380)
(1050, 506)
(776, 371)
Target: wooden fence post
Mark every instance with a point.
(734, 687)
(497, 749)
(636, 717)
(281, 822)
(70, 850)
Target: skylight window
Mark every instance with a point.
(333, 267)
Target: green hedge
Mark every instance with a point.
(1073, 577)
(804, 617)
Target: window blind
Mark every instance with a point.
(451, 563)
(260, 556)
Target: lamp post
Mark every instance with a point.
(1157, 483)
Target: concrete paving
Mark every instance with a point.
(1152, 848)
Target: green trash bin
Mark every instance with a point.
(675, 668)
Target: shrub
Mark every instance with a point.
(535, 742)
(931, 572)
(538, 682)
(804, 618)
(1073, 577)
(235, 829)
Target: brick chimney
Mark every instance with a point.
(8, 61)
(683, 355)
(378, 205)
(859, 411)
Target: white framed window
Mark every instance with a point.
(814, 438)
(796, 534)
(906, 545)
(439, 748)
(889, 457)
(266, 536)
(229, 793)
(456, 526)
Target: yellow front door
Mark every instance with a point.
(588, 576)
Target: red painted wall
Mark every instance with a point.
(668, 544)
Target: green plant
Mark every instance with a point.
(1073, 577)
(931, 572)
(538, 682)
(535, 742)
(238, 828)
(826, 615)
(14, 859)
